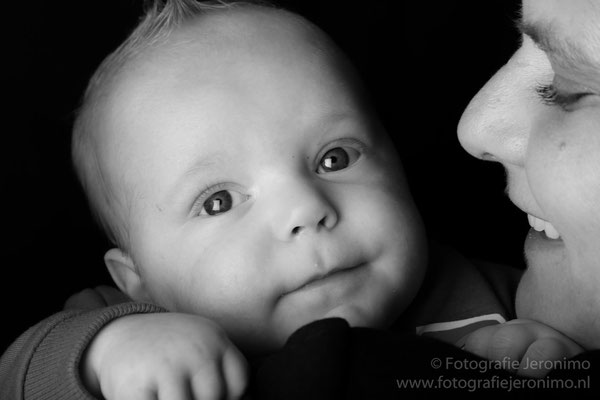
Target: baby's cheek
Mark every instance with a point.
(392, 224)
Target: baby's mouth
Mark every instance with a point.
(320, 279)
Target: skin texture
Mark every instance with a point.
(551, 153)
(190, 358)
(251, 102)
(522, 346)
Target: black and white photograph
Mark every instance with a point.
(287, 199)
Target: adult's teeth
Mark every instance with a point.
(541, 225)
(551, 232)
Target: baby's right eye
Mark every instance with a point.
(220, 201)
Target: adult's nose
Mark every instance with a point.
(301, 207)
(495, 125)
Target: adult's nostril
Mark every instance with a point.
(323, 222)
(488, 157)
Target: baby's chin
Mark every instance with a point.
(373, 312)
(359, 317)
(355, 316)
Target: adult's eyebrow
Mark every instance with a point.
(546, 38)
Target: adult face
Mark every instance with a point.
(540, 117)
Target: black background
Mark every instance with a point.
(423, 61)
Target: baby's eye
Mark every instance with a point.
(220, 202)
(337, 159)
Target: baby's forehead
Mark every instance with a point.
(199, 67)
(253, 38)
(223, 35)
(250, 36)
(250, 27)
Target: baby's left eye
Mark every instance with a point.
(337, 159)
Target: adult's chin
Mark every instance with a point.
(549, 293)
(542, 284)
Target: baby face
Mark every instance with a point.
(263, 193)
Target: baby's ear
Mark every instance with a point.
(126, 275)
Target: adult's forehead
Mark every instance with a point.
(568, 31)
(573, 20)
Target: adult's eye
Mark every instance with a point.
(220, 202)
(551, 96)
(337, 159)
(565, 93)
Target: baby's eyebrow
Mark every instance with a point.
(204, 164)
(546, 38)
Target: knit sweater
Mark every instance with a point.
(43, 363)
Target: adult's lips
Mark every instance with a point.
(536, 222)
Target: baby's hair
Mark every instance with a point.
(159, 20)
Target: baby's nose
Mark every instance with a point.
(302, 208)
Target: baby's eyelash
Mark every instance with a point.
(210, 189)
(205, 193)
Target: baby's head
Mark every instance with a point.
(245, 178)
